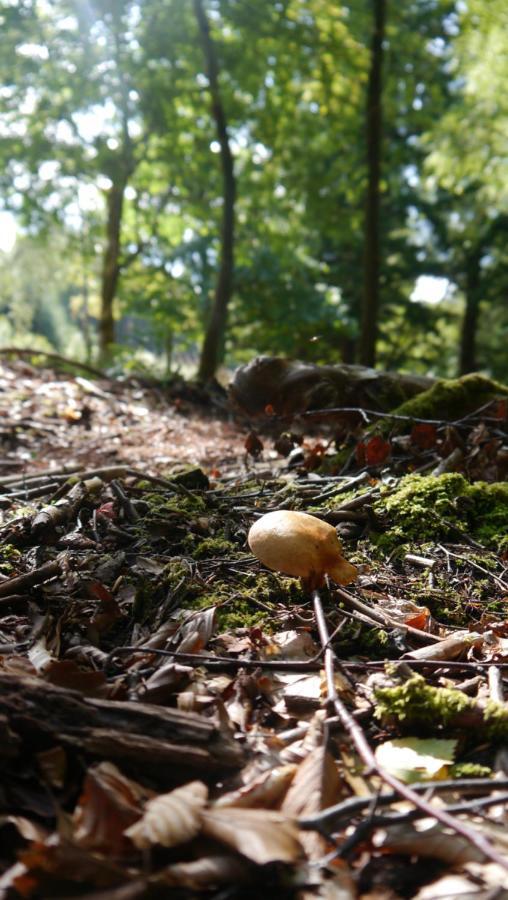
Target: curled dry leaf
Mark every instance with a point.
(316, 786)
(259, 834)
(110, 802)
(199, 874)
(266, 791)
(196, 630)
(171, 819)
(429, 840)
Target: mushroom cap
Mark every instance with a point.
(301, 545)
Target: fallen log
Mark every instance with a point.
(288, 387)
(161, 742)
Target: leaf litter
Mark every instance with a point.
(172, 718)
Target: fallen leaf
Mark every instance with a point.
(424, 435)
(207, 872)
(315, 786)
(417, 759)
(259, 834)
(171, 819)
(266, 790)
(427, 839)
(377, 450)
(109, 803)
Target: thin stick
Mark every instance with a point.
(333, 815)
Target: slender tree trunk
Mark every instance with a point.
(110, 267)
(370, 306)
(467, 355)
(213, 342)
(85, 315)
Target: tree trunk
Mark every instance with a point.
(110, 268)
(212, 345)
(467, 355)
(370, 307)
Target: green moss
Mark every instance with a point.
(470, 770)
(186, 504)
(214, 546)
(429, 508)
(453, 398)
(416, 702)
(496, 720)
(9, 558)
(237, 611)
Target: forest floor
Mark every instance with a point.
(178, 721)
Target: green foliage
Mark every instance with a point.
(114, 93)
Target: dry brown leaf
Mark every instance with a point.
(164, 682)
(428, 840)
(266, 790)
(30, 831)
(110, 802)
(315, 786)
(196, 630)
(456, 885)
(259, 834)
(453, 647)
(207, 872)
(171, 819)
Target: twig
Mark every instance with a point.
(397, 417)
(353, 728)
(225, 663)
(54, 357)
(20, 583)
(496, 690)
(383, 619)
(475, 565)
(334, 815)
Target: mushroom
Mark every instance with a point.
(298, 544)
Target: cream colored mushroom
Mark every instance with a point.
(298, 544)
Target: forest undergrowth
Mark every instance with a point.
(178, 721)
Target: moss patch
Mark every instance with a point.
(453, 398)
(426, 508)
(416, 703)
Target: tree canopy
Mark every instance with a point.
(210, 180)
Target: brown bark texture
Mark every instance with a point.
(288, 387)
(467, 361)
(212, 345)
(372, 262)
(35, 715)
(111, 266)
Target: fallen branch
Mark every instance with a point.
(54, 357)
(145, 737)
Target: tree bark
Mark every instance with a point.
(370, 306)
(138, 736)
(467, 355)
(111, 267)
(211, 351)
(289, 387)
